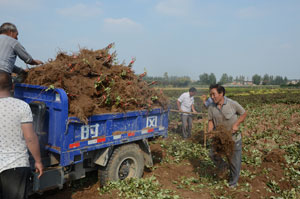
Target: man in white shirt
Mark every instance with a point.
(185, 104)
(16, 135)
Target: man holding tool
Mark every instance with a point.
(230, 114)
(185, 104)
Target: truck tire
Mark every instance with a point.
(127, 161)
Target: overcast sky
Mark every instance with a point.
(181, 37)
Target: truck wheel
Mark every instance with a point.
(127, 161)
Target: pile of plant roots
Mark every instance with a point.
(95, 83)
(222, 142)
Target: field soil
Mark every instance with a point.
(168, 173)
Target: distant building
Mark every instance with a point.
(238, 83)
(293, 81)
(249, 83)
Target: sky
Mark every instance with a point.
(180, 37)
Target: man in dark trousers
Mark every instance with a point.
(16, 135)
(230, 114)
(10, 48)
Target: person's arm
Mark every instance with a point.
(193, 109)
(210, 126)
(210, 129)
(235, 126)
(25, 56)
(242, 113)
(178, 106)
(18, 70)
(32, 143)
(36, 62)
(204, 98)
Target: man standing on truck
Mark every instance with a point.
(10, 48)
(230, 114)
(185, 104)
(16, 134)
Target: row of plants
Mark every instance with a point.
(273, 124)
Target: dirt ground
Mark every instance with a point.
(164, 173)
(168, 173)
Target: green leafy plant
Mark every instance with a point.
(139, 188)
(154, 98)
(51, 87)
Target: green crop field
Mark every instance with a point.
(183, 169)
(271, 152)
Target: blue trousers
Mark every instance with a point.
(234, 165)
(14, 182)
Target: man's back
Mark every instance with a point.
(13, 150)
(7, 54)
(10, 48)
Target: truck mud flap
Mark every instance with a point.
(103, 156)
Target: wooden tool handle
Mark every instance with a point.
(177, 111)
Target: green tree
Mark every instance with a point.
(266, 79)
(212, 78)
(182, 81)
(271, 81)
(224, 79)
(285, 80)
(204, 79)
(278, 80)
(256, 79)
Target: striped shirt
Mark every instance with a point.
(10, 48)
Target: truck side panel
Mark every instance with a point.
(72, 139)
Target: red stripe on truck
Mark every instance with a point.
(131, 134)
(74, 145)
(150, 130)
(101, 140)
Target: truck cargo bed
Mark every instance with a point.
(71, 139)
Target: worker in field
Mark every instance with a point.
(16, 135)
(206, 101)
(230, 114)
(185, 104)
(10, 48)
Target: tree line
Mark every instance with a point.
(208, 79)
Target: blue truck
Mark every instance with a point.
(115, 144)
